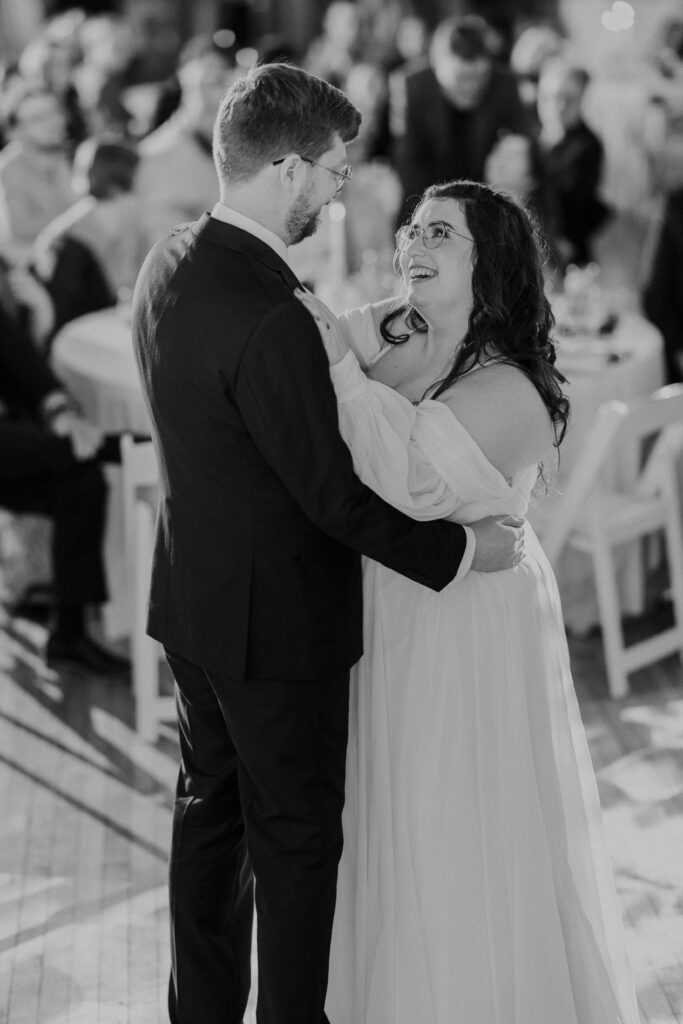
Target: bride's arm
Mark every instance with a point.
(376, 422)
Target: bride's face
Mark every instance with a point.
(438, 280)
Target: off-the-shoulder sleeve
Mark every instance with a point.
(418, 458)
(377, 425)
(359, 330)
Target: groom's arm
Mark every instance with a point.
(284, 394)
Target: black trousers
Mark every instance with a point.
(259, 799)
(40, 474)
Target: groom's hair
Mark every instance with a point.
(274, 110)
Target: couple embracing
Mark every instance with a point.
(385, 757)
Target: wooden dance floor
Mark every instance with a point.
(85, 809)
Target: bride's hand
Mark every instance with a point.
(331, 333)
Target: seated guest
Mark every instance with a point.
(49, 61)
(663, 297)
(35, 176)
(176, 180)
(515, 166)
(449, 111)
(535, 45)
(91, 254)
(332, 54)
(573, 155)
(109, 46)
(48, 466)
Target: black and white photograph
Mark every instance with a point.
(341, 512)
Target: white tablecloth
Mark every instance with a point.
(637, 347)
(94, 358)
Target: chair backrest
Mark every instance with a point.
(140, 470)
(658, 415)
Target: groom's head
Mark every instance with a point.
(279, 144)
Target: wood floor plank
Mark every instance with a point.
(87, 813)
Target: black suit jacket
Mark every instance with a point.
(663, 296)
(25, 380)
(428, 150)
(261, 520)
(25, 375)
(574, 166)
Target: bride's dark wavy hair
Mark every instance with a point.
(511, 317)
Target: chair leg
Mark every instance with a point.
(673, 535)
(145, 662)
(610, 616)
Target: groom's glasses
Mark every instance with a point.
(342, 176)
(432, 236)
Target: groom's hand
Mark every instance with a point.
(499, 543)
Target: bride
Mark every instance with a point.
(474, 887)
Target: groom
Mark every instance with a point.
(256, 586)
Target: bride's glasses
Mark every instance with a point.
(432, 236)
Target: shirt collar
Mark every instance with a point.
(238, 220)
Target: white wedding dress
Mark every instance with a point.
(474, 886)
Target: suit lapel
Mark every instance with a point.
(217, 231)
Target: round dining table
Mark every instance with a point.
(94, 358)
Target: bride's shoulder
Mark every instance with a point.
(503, 411)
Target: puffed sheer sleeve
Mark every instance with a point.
(359, 330)
(378, 426)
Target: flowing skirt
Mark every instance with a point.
(474, 886)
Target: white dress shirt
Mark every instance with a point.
(238, 220)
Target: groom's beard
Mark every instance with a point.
(302, 221)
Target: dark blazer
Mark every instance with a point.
(574, 166)
(78, 283)
(428, 150)
(25, 380)
(261, 521)
(663, 296)
(25, 375)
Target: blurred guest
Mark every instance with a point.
(663, 297)
(177, 179)
(49, 62)
(48, 466)
(109, 55)
(450, 111)
(366, 87)
(535, 45)
(35, 176)
(573, 155)
(90, 255)
(515, 166)
(412, 38)
(332, 55)
(170, 91)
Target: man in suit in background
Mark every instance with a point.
(256, 583)
(448, 112)
(573, 156)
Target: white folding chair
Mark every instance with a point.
(140, 480)
(592, 518)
